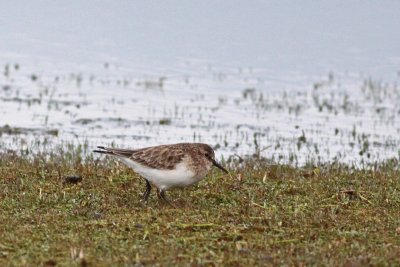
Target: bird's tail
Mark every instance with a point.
(114, 151)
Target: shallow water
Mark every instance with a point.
(293, 82)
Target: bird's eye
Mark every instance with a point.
(207, 155)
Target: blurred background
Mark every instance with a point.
(291, 81)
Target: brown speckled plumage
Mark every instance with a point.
(168, 166)
(164, 157)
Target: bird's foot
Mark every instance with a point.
(161, 195)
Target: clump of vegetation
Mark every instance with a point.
(165, 121)
(7, 129)
(34, 77)
(263, 214)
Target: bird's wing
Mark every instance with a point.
(160, 157)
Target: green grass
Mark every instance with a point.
(270, 215)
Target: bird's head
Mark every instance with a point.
(207, 152)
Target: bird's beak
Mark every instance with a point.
(216, 164)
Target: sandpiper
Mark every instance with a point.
(167, 166)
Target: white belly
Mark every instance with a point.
(181, 176)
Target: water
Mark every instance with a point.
(290, 80)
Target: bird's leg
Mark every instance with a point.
(161, 194)
(146, 194)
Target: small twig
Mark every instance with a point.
(257, 205)
(364, 198)
(198, 225)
